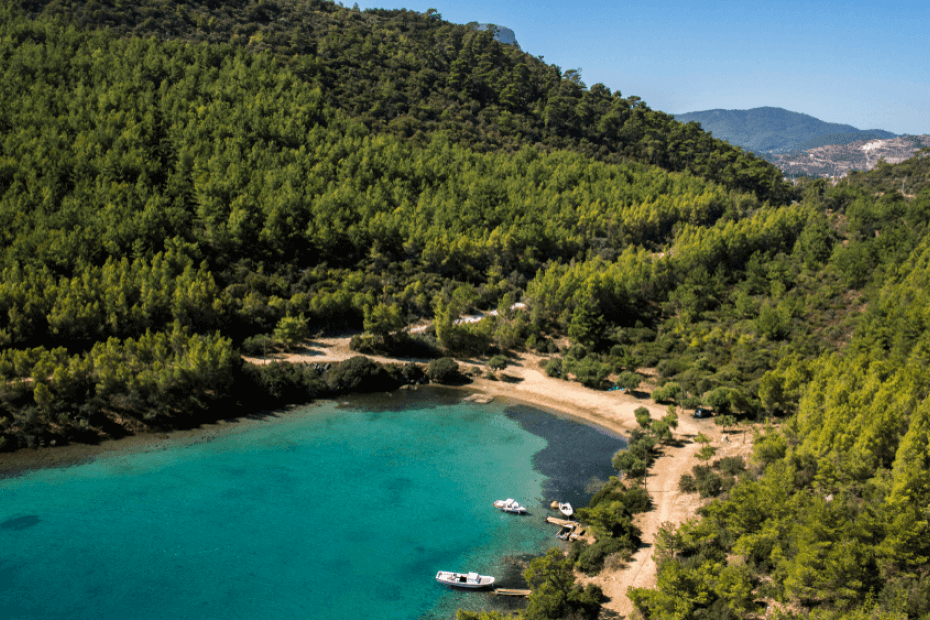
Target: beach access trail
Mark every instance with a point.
(524, 380)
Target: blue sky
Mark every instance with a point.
(863, 63)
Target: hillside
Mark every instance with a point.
(836, 160)
(413, 75)
(173, 204)
(776, 129)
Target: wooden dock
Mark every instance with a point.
(562, 522)
(510, 592)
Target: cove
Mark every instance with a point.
(338, 510)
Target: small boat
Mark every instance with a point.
(464, 580)
(566, 509)
(565, 532)
(510, 505)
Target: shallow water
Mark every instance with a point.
(333, 511)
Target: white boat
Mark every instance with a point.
(509, 505)
(464, 580)
(566, 509)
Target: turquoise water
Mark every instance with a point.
(327, 512)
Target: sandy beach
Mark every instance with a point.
(525, 381)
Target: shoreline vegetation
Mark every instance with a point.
(185, 185)
(524, 381)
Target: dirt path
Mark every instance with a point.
(524, 380)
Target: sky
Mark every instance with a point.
(862, 63)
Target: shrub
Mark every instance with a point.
(359, 374)
(710, 486)
(670, 392)
(687, 484)
(554, 367)
(591, 558)
(692, 402)
(590, 373)
(498, 362)
(577, 351)
(443, 370)
(258, 345)
(629, 380)
(733, 465)
(637, 500)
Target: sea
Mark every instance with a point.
(337, 510)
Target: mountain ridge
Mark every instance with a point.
(771, 129)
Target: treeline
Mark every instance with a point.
(164, 380)
(413, 75)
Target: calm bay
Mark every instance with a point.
(334, 510)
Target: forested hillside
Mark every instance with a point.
(209, 191)
(833, 522)
(258, 172)
(412, 74)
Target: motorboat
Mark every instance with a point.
(464, 580)
(510, 505)
(566, 509)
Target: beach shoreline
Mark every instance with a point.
(523, 382)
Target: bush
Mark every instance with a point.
(687, 484)
(444, 370)
(692, 402)
(707, 482)
(733, 465)
(670, 392)
(590, 373)
(629, 380)
(360, 374)
(577, 351)
(591, 558)
(637, 500)
(554, 367)
(498, 362)
(257, 345)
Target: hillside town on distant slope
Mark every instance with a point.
(836, 160)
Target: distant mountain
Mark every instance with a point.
(777, 129)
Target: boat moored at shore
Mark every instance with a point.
(510, 505)
(464, 580)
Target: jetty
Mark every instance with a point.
(571, 530)
(511, 592)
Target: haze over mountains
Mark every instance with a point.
(769, 129)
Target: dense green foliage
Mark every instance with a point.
(767, 129)
(147, 182)
(242, 181)
(832, 517)
(413, 74)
